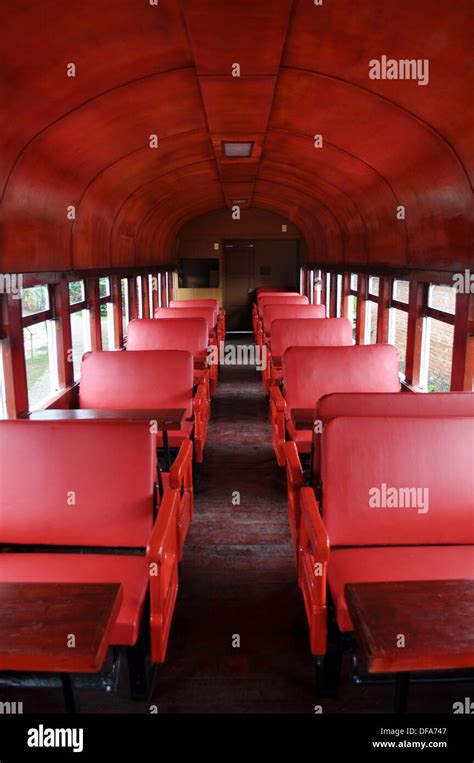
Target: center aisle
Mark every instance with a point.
(238, 578)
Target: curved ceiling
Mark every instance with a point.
(167, 70)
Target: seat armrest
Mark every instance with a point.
(278, 399)
(163, 538)
(313, 530)
(181, 470)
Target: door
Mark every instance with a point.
(250, 264)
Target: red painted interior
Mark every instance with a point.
(167, 70)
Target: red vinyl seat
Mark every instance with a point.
(197, 303)
(394, 563)
(102, 496)
(438, 404)
(302, 332)
(353, 540)
(146, 379)
(189, 334)
(311, 372)
(130, 571)
(208, 313)
(273, 312)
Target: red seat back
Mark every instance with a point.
(207, 313)
(311, 372)
(76, 483)
(424, 462)
(197, 303)
(189, 334)
(438, 404)
(142, 379)
(298, 311)
(289, 298)
(308, 332)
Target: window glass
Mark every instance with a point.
(125, 312)
(139, 297)
(374, 285)
(41, 365)
(354, 281)
(81, 342)
(104, 287)
(76, 292)
(34, 300)
(437, 356)
(442, 298)
(372, 310)
(398, 334)
(401, 291)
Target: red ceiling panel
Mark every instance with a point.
(165, 69)
(237, 105)
(246, 32)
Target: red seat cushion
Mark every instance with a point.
(394, 563)
(131, 571)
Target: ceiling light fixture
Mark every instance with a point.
(237, 150)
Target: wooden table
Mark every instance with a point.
(165, 419)
(303, 418)
(435, 618)
(37, 619)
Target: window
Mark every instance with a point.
(76, 292)
(398, 334)
(398, 325)
(3, 392)
(106, 314)
(125, 310)
(338, 295)
(34, 300)
(354, 281)
(318, 286)
(374, 285)
(328, 294)
(372, 309)
(436, 355)
(39, 345)
(371, 315)
(442, 298)
(139, 296)
(401, 291)
(80, 324)
(158, 286)
(151, 291)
